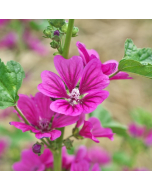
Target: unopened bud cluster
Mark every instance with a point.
(56, 30)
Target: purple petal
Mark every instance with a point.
(52, 85)
(70, 70)
(43, 106)
(9, 41)
(47, 158)
(108, 68)
(90, 102)
(148, 138)
(81, 120)
(93, 78)
(86, 131)
(28, 108)
(24, 127)
(54, 134)
(99, 131)
(61, 120)
(121, 75)
(64, 107)
(83, 165)
(96, 167)
(35, 44)
(81, 153)
(98, 155)
(136, 131)
(83, 52)
(66, 159)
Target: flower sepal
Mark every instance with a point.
(75, 133)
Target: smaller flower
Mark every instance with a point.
(148, 138)
(9, 41)
(34, 44)
(135, 130)
(92, 129)
(43, 121)
(32, 162)
(66, 159)
(108, 68)
(3, 146)
(81, 161)
(98, 155)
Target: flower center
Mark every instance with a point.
(75, 94)
(44, 125)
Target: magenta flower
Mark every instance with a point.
(36, 110)
(3, 22)
(81, 161)
(33, 162)
(34, 44)
(148, 138)
(92, 129)
(8, 41)
(135, 130)
(108, 68)
(76, 101)
(98, 155)
(3, 146)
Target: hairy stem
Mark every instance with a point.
(22, 115)
(58, 154)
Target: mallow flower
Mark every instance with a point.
(32, 162)
(9, 40)
(74, 98)
(82, 163)
(43, 121)
(93, 129)
(108, 68)
(135, 130)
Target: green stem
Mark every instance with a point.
(21, 114)
(58, 154)
(114, 74)
(68, 39)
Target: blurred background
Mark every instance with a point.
(22, 41)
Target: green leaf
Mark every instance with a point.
(136, 60)
(11, 77)
(106, 120)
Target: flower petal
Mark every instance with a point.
(90, 102)
(108, 68)
(70, 70)
(43, 106)
(93, 78)
(28, 108)
(61, 120)
(81, 153)
(121, 75)
(81, 120)
(64, 107)
(99, 131)
(24, 127)
(96, 167)
(86, 131)
(54, 134)
(83, 165)
(52, 85)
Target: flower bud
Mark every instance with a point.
(56, 22)
(56, 33)
(75, 30)
(64, 28)
(37, 148)
(54, 44)
(47, 32)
